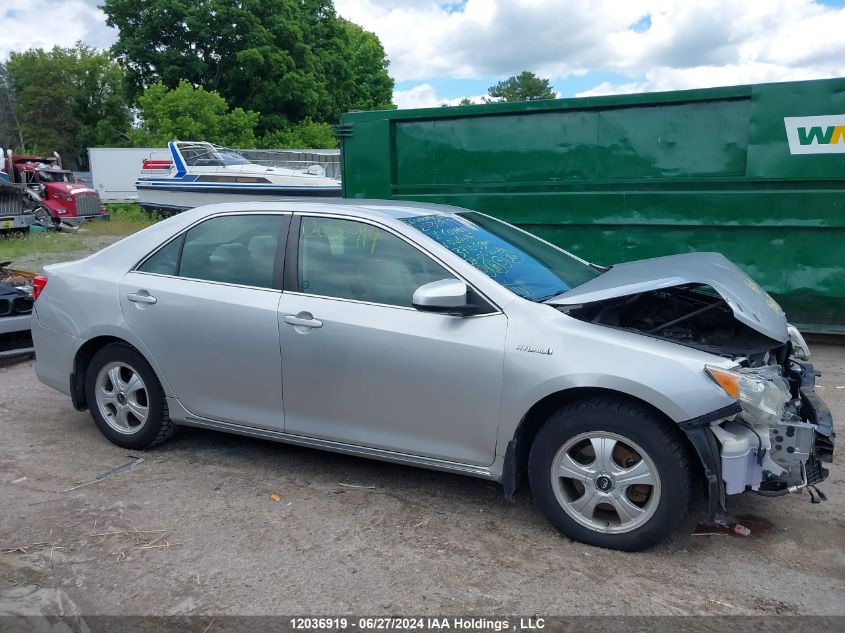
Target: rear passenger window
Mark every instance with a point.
(165, 261)
(235, 249)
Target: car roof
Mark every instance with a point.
(346, 206)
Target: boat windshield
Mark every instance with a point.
(231, 157)
(210, 156)
(522, 263)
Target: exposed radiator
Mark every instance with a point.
(11, 202)
(87, 204)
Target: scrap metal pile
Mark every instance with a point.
(15, 311)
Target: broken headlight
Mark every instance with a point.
(800, 349)
(762, 391)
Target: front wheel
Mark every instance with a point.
(610, 473)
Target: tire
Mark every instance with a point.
(126, 399)
(587, 498)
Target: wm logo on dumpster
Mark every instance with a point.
(816, 134)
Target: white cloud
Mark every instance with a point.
(47, 23)
(425, 96)
(421, 96)
(688, 43)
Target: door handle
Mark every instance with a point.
(301, 320)
(141, 297)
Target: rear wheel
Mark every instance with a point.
(610, 473)
(126, 399)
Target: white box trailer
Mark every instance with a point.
(114, 170)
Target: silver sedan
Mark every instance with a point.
(444, 338)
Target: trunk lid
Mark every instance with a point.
(750, 304)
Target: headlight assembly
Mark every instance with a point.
(761, 391)
(800, 349)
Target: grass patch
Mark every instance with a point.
(125, 220)
(36, 249)
(16, 247)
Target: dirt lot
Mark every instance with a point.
(194, 529)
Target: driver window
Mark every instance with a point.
(354, 260)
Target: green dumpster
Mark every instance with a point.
(755, 172)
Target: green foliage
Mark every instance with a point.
(9, 132)
(525, 86)
(66, 100)
(126, 218)
(191, 114)
(372, 87)
(304, 135)
(287, 59)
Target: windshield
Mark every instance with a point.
(54, 176)
(230, 157)
(207, 156)
(520, 262)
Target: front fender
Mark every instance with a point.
(55, 206)
(547, 352)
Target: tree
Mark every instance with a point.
(287, 59)
(372, 87)
(525, 86)
(303, 135)
(10, 134)
(66, 100)
(191, 114)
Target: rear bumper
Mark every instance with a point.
(54, 353)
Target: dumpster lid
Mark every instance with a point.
(750, 304)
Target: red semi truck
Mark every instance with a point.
(51, 191)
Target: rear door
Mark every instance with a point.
(205, 305)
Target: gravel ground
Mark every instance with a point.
(195, 529)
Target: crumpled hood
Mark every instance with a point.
(750, 304)
(69, 188)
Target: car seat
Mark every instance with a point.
(232, 263)
(320, 272)
(194, 262)
(262, 249)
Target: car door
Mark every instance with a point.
(361, 366)
(205, 306)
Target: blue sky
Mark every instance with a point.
(442, 51)
(452, 88)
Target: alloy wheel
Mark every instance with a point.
(605, 482)
(122, 398)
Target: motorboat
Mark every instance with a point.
(194, 173)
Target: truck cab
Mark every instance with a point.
(51, 191)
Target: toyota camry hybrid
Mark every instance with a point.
(443, 338)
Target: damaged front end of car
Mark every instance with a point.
(774, 439)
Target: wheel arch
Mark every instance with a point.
(82, 360)
(515, 468)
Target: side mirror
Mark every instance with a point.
(448, 296)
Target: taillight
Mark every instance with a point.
(38, 284)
